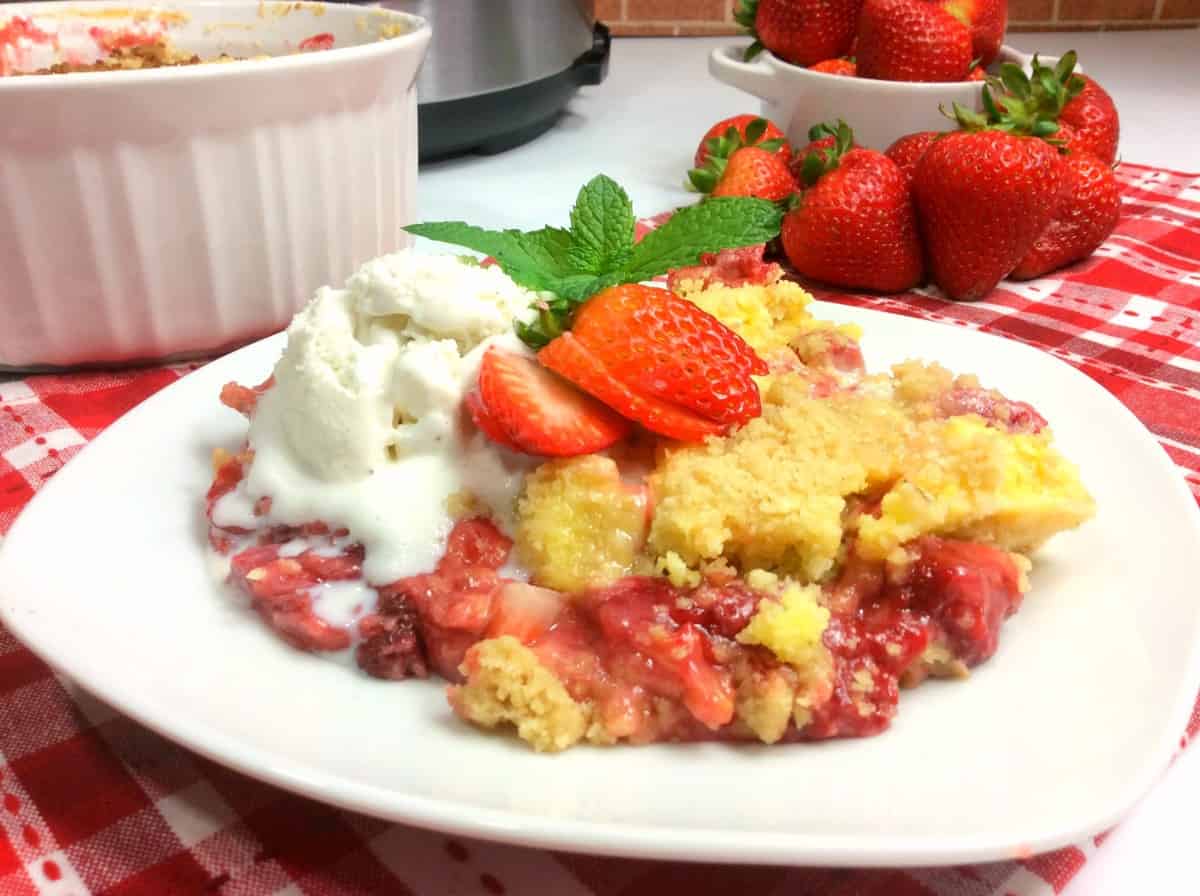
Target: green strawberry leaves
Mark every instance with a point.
(1026, 105)
(705, 178)
(744, 14)
(822, 161)
(598, 250)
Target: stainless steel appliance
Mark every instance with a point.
(499, 72)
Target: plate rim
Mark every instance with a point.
(616, 838)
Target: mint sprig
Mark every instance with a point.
(598, 251)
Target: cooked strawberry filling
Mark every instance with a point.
(1015, 416)
(280, 591)
(729, 267)
(657, 662)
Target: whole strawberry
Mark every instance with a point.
(845, 67)
(908, 150)
(983, 196)
(1086, 114)
(1093, 120)
(729, 134)
(803, 32)
(752, 171)
(749, 158)
(911, 40)
(1087, 214)
(821, 140)
(854, 225)
(987, 20)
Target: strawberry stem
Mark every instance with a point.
(822, 161)
(705, 178)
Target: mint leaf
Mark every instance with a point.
(535, 261)
(598, 251)
(601, 228)
(554, 241)
(724, 222)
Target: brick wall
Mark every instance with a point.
(659, 17)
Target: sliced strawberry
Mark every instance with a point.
(541, 413)
(524, 611)
(487, 424)
(661, 345)
(568, 357)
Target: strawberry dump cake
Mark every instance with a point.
(63, 43)
(609, 512)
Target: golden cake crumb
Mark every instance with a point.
(677, 571)
(917, 383)
(578, 524)
(771, 495)
(790, 626)
(767, 317)
(765, 701)
(508, 685)
(969, 480)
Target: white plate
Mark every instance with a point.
(105, 576)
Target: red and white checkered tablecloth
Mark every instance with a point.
(91, 802)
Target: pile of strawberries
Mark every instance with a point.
(891, 40)
(1019, 190)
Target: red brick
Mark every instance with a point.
(674, 29)
(675, 10)
(1104, 10)
(1181, 9)
(1030, 10)
(608, 11)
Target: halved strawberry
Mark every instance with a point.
(541, 413)
(663, 346)
(567, 356)
(524, 611)
(487, 424)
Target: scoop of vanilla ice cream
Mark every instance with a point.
(363, 429)
(436, 297)
(333, 403)
(376, 371)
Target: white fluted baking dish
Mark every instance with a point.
(174, 212)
